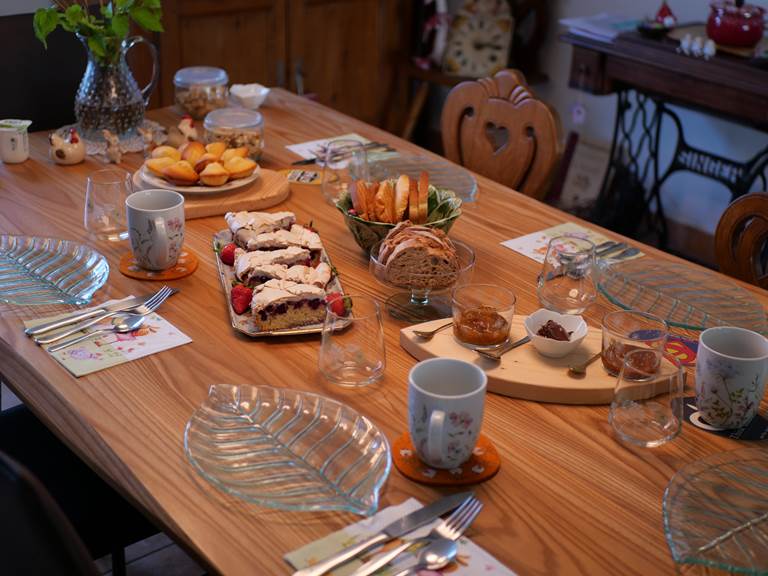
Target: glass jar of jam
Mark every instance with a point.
(482, 315)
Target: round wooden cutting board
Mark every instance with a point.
(523, 372)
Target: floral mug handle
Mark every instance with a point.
(129, 43)
(435, 432)
(161, 239)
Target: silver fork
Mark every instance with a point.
(451, 529)
(148, 307)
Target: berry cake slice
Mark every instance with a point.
(279, 304)
(247, 264)
(279, 239)
(259, 274)
(247, 225)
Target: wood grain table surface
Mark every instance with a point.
(569, 498)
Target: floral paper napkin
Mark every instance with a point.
(110, 349)
(312, 148)
(471, 560)
(535, 245)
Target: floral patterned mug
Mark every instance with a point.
(155, 227)
(446, 398)
(731, 369)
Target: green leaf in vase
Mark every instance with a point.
(147, 18)
(45, 22)
(96, 45)
(120, 24)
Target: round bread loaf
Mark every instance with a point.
(419, 257)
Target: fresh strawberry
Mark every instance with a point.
(241, 298)
(340, 304)
(227, 254)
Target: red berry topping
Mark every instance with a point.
(339, 303)
(227, 254)
(241, 298)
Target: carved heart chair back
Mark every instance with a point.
(495, 127)
(741, 239)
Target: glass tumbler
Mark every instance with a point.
(352, 346)
(482, 315)
(567, 281)
(647, 407)
(105, 194)
(628, 330)
(343, 162)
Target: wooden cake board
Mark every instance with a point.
(523, 372)
(269, 189)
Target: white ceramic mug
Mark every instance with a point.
(731, 369)
(446, 398)
(14, 141)
(155, 227)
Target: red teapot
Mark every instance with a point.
(733, 23)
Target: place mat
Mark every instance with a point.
(482, 464)
(471, 560)
(310, 149)
(110, 349)
(535, 245)
(185, 265)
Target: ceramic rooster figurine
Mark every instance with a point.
(69, 149)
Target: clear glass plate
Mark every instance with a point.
(684, 296)
(716, 512)
(442, 173)
(37, 271)
(288, 449)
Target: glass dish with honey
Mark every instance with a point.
(482, 315)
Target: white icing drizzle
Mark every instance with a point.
(296, 236)
(247, 261)
(276, 292)
(259, 222)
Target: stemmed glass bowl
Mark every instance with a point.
(423, 297)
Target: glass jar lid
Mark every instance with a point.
(200, 76)
(233, 119)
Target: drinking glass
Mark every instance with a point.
(343, 162)
(567, 281)
(647, 407)
(352, 346)
(482, 315)
(105, 194)
(628, 330)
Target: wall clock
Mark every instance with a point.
(479, 39)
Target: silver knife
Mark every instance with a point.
(84, 315)
(406, 524)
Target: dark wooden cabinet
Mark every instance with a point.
(342, 51)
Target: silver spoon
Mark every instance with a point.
(434, 556)
(496, 354)
(120, 324)
(428, 334)
(579, 369)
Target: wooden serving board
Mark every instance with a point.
(523, 372)
(269, 189)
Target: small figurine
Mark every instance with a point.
(148, 140)
(66, 150)
(685, 44)
(710, 49)
(665, 16)
(187, 128)
(113, 152)
(697, 48)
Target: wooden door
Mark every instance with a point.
(245, 37)
(345, 52)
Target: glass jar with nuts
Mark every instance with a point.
(200, 90)
(236, 127)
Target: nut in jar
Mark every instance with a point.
(200, 90)
(236, 127)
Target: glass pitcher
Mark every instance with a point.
(109, 97)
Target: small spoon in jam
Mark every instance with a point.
(429, 334)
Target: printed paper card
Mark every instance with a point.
(110, 349)
(535, 245)
(470, 561)
(312, 149)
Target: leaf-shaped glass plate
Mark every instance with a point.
(685, 296)
(49, 271)
(716, 512)
(288, 449)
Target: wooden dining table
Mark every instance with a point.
(568, 499)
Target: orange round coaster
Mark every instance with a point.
(185, 265)
(483, 464)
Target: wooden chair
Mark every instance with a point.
(741, 239)
(495, 127)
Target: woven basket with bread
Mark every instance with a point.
(196, 164)
(372, 209)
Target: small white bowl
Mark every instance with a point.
(555, 348)
(249, 95)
